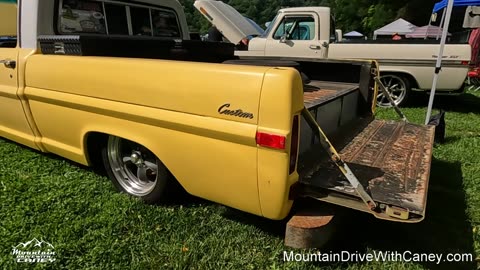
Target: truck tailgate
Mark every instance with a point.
(391, 159)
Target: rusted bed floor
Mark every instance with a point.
(321, 92)
(391, 159)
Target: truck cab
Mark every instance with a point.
(294, 32)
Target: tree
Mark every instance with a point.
(360, 15)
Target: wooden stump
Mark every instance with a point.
(310, 228)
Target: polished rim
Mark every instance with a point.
(134, 166)
(395, 86)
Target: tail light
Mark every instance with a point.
(294, 144)
(465, 63)
(278, 142)
(270, 140)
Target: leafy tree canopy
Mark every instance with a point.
(360, 15)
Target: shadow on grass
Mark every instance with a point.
(446, 228)
(464, 103)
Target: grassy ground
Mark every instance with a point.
(93, 227)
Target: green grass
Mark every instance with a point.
(93, 227)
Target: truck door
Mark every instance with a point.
(296, 35)
(13, 123)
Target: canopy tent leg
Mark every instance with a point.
(442, 21)
(438, 65)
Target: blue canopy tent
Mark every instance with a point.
(448, 4)
(456, 3)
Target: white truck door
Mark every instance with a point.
(296, 35)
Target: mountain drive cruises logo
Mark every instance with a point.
(34, 251)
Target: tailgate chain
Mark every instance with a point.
(344, 168)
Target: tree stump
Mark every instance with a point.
(310, 228)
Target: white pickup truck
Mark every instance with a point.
(309, 32)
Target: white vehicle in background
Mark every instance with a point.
(309, 32)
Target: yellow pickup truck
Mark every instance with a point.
(120, 84)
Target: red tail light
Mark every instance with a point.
(294, 144)
(465, 63)
(270, 140)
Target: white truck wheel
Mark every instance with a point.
(399, 88)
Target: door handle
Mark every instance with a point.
(314, 47)
(8, 63)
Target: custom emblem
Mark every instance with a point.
(224, 109)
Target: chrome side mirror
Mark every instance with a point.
(283, 39)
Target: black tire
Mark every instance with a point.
(115, 154)
(392, 79)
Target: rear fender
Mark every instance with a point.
(281, 99)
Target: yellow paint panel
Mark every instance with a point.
(195, 88)
(8, 15)
(13, 123)
(215, 169)
(171, 107)
(282, 98)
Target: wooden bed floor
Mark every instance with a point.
(320, 92)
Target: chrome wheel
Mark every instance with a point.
(396, 86)
(134, 167)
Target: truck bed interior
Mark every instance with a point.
(391, 159)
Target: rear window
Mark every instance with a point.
(82, 17)
(141, 23)
(164, 24)
(116, 18)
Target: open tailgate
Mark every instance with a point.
(391, 159)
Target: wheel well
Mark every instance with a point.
(94, 142)
(408, 76)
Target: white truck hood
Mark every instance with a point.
(233, 25)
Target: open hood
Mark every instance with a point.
(233, 25)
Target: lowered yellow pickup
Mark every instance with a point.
(134, 94)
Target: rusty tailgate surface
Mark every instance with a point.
(391, 159)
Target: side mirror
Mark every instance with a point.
(283, 39)
(338, 34)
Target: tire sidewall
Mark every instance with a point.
(157, 195)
